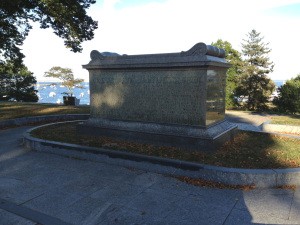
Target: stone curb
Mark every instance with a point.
(40, 119)
(261, 178)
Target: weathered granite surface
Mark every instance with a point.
(179, 89)
(186, 88)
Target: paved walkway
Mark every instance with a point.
(250, 118)
(39, 188)
(247, 120)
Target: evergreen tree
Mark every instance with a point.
(288, 99)
(17, 83)
(233, 73)
(254, 85)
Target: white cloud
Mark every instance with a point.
(172, 26)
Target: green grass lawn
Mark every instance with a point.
(248, 150)
(11, 110)
(286, 120)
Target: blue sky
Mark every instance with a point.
(158, 26)
(134, 3)
(121, 4)
(291, 10)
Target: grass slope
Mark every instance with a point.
(11, 110)
(293, 120)
(248, 150)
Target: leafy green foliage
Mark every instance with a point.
(254, 84)
(67, 18)
(289, 96)
(234, 58)
(66, 76)
(17, 83)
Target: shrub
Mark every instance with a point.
(288, 99)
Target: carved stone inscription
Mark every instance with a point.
(215, 102)
(158, 95)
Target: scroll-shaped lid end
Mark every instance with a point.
(202, 49)
(96, 55)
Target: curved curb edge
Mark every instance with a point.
(40, 119)
(260, 178)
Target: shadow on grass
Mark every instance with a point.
(248, 150)
(258, 151)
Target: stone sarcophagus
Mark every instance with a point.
(175, 99)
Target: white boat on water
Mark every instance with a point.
(52, 94)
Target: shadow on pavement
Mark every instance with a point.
(85, 192)
(252, 118)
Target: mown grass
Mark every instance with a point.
(248, 150)
(286, 120)
(11, 110)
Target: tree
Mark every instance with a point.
(254, 84)
(68, 19)
(66, 76)
(233, 73)
(288, 99)
(17, 83)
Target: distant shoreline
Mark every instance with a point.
(51, 92)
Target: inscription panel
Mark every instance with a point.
(215, 102)
(160, 96)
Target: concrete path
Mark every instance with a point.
(260, 122)
(247, 120)
(39, 188)
(250, 118)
